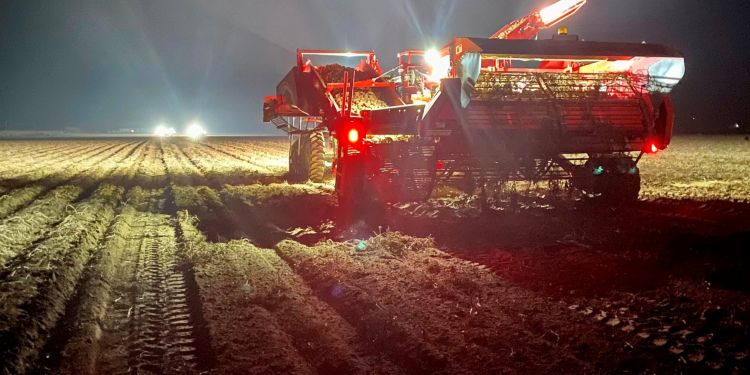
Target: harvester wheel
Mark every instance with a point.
(317, 156)
(619, 188)
(307, 158)
(612, 181)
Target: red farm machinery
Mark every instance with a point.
(481, 112)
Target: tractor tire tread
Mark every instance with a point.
(317, 157)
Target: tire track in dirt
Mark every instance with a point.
(150, 328)
(146, 200)
(162, 305)
(251, 341)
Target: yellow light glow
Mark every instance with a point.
(432, 57)
(440, 65)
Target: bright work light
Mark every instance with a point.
(195, 131)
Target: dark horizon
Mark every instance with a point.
(100, 66)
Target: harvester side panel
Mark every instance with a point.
(563, 108)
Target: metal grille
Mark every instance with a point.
(571, 101)
(403, 171)
(579, 86)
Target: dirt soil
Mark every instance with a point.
(180, 257)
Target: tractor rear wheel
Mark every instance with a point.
(307, 158)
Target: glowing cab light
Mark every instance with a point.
(353, 136)
(440, 65)
(432, 57)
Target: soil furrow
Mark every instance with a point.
(373, 322)
(22, 197)
(219, 168)
(216, 219)
(261, 167)
(29, 225)
(74, 346)
(18, 198)
(247, 337)
(70, 167)
(36, 289)
(180, 169)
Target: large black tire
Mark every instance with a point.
(610, 181)
(307, 158)
(620, 188)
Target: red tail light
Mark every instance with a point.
(654, 148)
(440, 165)
(353, 136)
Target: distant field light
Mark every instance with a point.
(161, 131)
(196, 131)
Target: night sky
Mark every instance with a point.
(102, 65)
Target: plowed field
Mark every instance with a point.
(171, 256)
